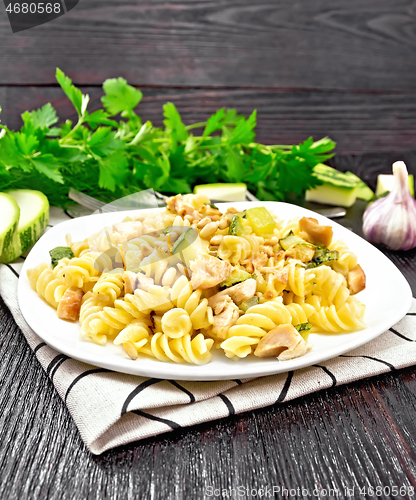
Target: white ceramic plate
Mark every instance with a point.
(387, 297)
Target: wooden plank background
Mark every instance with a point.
(322, 67)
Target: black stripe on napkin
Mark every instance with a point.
(138, 390)
(285, 389)
(392, 368)
(411, 314)
(173, 425)
(400, 335)
(228, 404)
(83, 375)
(178, 386)
(58, 359)
(329, 373)
(57, 362)
(39, 346)
(13, 270)
(237, 381)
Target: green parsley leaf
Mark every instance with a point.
(244, 131)
(100, 117)
(113, 170)
(173, 123)
(214, 122)
(77, 98)
(47, 165)
(42, 118)
(119, 96)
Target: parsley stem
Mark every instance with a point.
(78, 124)
(196, 125)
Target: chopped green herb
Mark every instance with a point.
(59, 253)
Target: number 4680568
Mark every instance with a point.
(34, 8)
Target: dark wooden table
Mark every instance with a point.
(310, 67)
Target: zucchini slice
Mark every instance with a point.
(9, 220)
(260, 220)
(34, 217)
(236, 226)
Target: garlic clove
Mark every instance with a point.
(391, 221)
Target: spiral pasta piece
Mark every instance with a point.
(328, 284)
(79, 270)
(180, 350)
(77, 247)
(45, 282)
(346, 261)
(348, 318)
(90, 307)
(133, 337)
(109, 286)
(296, 279)
(300, 313)
(239, 346)
(129, 304)
(155, 299)
(183, 296)
(176, 323)
(234, 249)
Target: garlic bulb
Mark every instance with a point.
(391, 221)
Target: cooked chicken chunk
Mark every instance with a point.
(304, 253)
(178, 205)
(124, 231)
(132, 281)
(70, 304)
(356, 280)
(259, 259)
(283, 342)
(208, 271)
(226, 314)
(238, 293)
(318, 235)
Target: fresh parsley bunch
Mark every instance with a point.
(112, 152)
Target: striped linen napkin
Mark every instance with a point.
(112, 409)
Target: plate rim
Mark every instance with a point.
(164, 370)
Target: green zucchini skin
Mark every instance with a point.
(7, 237)
(25, 237)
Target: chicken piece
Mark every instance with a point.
(208, 271)
(356, 280)
(304, 253)
(259, 259)
(177, 205)
(133, 281)
(124, 231)
(283, 342)
(318, 235)
(70, 304)
(238, 293)
(226, 314)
